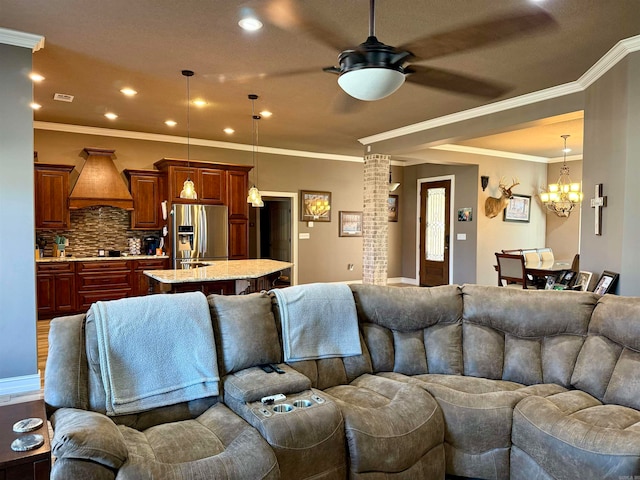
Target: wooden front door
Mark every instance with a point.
(435, 199)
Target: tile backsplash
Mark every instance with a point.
(95, 228)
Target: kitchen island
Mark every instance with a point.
(226, 277)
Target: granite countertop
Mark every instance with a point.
(98, 259)
(220, 270)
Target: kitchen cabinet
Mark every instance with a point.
(147, 190)
(215, 184)
(102, 280)
(51, 195)
(55, 289)
(141, 284)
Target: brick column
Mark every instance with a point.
(375, 218)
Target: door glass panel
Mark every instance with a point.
(435, 225)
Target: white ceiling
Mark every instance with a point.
(95, 48)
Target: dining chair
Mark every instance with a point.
(575, 265)
(531, 257)
(546, 255)
(511, 269)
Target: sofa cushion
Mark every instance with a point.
(573, 435)
(524, 336)
(83, 435)
(217, 444)
(391, 427)
(614, 340)
(477, 414)
(245, 331)
(411, 330)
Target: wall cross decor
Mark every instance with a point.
(598, 202)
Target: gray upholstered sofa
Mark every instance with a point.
(473, 381)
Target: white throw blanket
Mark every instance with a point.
(155, 350)
(319, 320)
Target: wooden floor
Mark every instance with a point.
(42, 331)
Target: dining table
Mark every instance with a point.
(543, 269)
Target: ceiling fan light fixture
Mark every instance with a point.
(370, 84)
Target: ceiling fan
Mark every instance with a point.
(372, 70)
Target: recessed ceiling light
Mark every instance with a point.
(250, 24)
(36, 77)
(198, 102)
(111, 116)
(229, 130)
(248, 20)
(35, 106)
(171, 123)
(266, 113)
(129, 92)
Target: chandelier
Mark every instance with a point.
(562, 197)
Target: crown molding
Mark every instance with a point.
(156, 137)
(21, 39)
(611, 58)
(491, 153)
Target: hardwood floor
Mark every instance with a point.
(42, 333)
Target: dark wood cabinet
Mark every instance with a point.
(141, 283)
(102, 280)
(147, 190)
(51, 195)
(215, 184)
(55, 289)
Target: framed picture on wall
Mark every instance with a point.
(350, 224)
(518, 209)
(315, 206)
(393, 208)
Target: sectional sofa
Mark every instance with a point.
(473, 381)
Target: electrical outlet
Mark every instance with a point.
(350, 267)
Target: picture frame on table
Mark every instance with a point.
(315, 206)
(349, 224)
(392, 204)
(518, 209)
(606, 282)
(583, 281)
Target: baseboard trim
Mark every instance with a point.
(19, 385)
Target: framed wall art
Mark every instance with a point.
(465, 214)
(315, 206)
(350, 224)
(606, 282)
(518, 209)
(393, 208)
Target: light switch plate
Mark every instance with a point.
(304, 236)
(461, 236)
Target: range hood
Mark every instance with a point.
(100, 183)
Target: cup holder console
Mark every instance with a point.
(300, 403)
(283, 408)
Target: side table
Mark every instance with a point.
(31, 465)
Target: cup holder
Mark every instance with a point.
(302, 403)
(283, 408)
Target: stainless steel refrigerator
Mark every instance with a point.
(199, 233)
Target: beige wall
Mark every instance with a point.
(323, 257)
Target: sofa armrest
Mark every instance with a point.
(252, 384)
(86, 435)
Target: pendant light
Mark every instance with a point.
(188, 189)
(562, 197)
(254, 197)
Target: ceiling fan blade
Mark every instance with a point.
(287, 15)
(454, 82)
(247, 77)
(478, 34)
